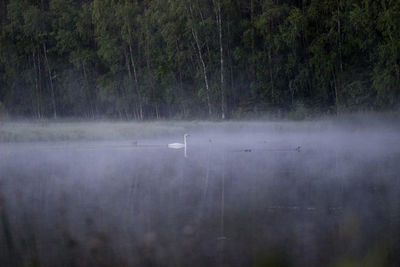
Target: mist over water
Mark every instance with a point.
(251, 194)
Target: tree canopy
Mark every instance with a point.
(139, 59)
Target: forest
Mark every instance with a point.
(182, 59)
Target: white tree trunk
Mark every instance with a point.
(196, 39)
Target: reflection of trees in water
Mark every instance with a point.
(212, 208)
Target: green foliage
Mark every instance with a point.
(141, 59)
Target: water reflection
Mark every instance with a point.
(110, 204)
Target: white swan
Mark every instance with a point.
(179, 145)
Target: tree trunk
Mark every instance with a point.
(253, 42)
(204, 72)
(53, 98)
(136, 83)
(128, 68)
(36, 85)
(219, 21)
(230, 57)
(338, 82)
(39, 75)
(270, 74)
(195, 37)
(339, 37)
(147, 56)
(88, 92)
(336, 91)
(180, 86)
(205, 41)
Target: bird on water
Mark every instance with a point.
(179, 145)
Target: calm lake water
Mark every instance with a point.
(238, 199)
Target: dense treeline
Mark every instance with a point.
(139, 59)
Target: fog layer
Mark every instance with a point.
(246, 194)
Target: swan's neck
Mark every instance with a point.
(184, 140)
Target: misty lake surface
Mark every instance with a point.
(248, 197)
